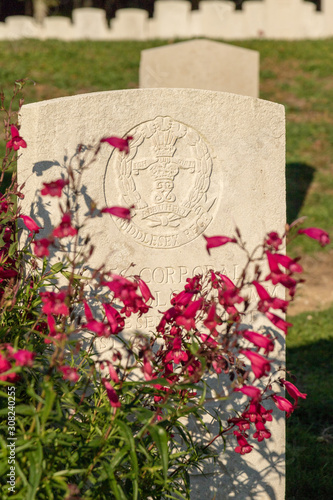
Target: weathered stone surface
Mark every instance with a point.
(201, 64)
(200, 162)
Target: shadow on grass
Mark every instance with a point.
(298, 179)
(310, 428)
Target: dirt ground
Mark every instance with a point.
(317, 291)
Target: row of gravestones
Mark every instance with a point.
(227, 154)
(285, 19)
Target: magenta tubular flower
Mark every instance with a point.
(258, 340)
(144, 289)
(293, 391)
(267, 301)
(69, 373)
(54, 303)
(243, 446)
(273, 240)
(119, 143)
(112, 395)
(260, 365)
(217, 241)
(41, 247)
(316, 234)
(121, 212)
(288, 263)
(24, 357)
(54, 188)
(30, 224)
(262, 433)
(279, 322)
(252, 392)
(284, 405)
(116, 321)
(65, 228)
(16, 142)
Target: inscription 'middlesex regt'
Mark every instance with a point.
(166, 176)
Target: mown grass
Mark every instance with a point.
(299, 76)
(310, 428)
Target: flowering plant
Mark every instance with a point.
(80, 424)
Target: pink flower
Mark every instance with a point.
(116, 321)
(69, 373)
(273, 240)
(30, 224)
(54, 188)
(144, 289)
(243, 446)
(267, 301)
(16, 142)
(259, 364)
(122, 212)
(283, 404)
(243, 425)
(24, 357)
(217, 241)
(175, 352)
(113, 374)
(262, 433)
(54, 303)
(288, 263)
(293, 391)
(187, 317)
(249, 390)
(258, 340)
(65, 228)
(316, 234)
(41, 247)
(4, 367)
(98, 327)
(278, 322)
(117, 142)
(112, 395)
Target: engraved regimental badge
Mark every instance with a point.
(166, 176)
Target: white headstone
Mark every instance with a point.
(3, 31)
(130, 24)
(18, 27)
(199, 162)
(201, 64)
(172, 18)
(59, 28)
(215, 16)
(90, 24)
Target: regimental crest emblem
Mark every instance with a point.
(167, 177)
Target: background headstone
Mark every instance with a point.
(201, 64)
(90, 24)
(130, 24)
(200, 162)
(59, 28)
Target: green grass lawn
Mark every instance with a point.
(299, 76)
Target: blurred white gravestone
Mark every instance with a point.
(201, 64)
(199, 162)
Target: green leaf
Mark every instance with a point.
(127, 433)
(160, 437)
(35, 473)
(49, 400)
(12, 248)
(57, 267)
